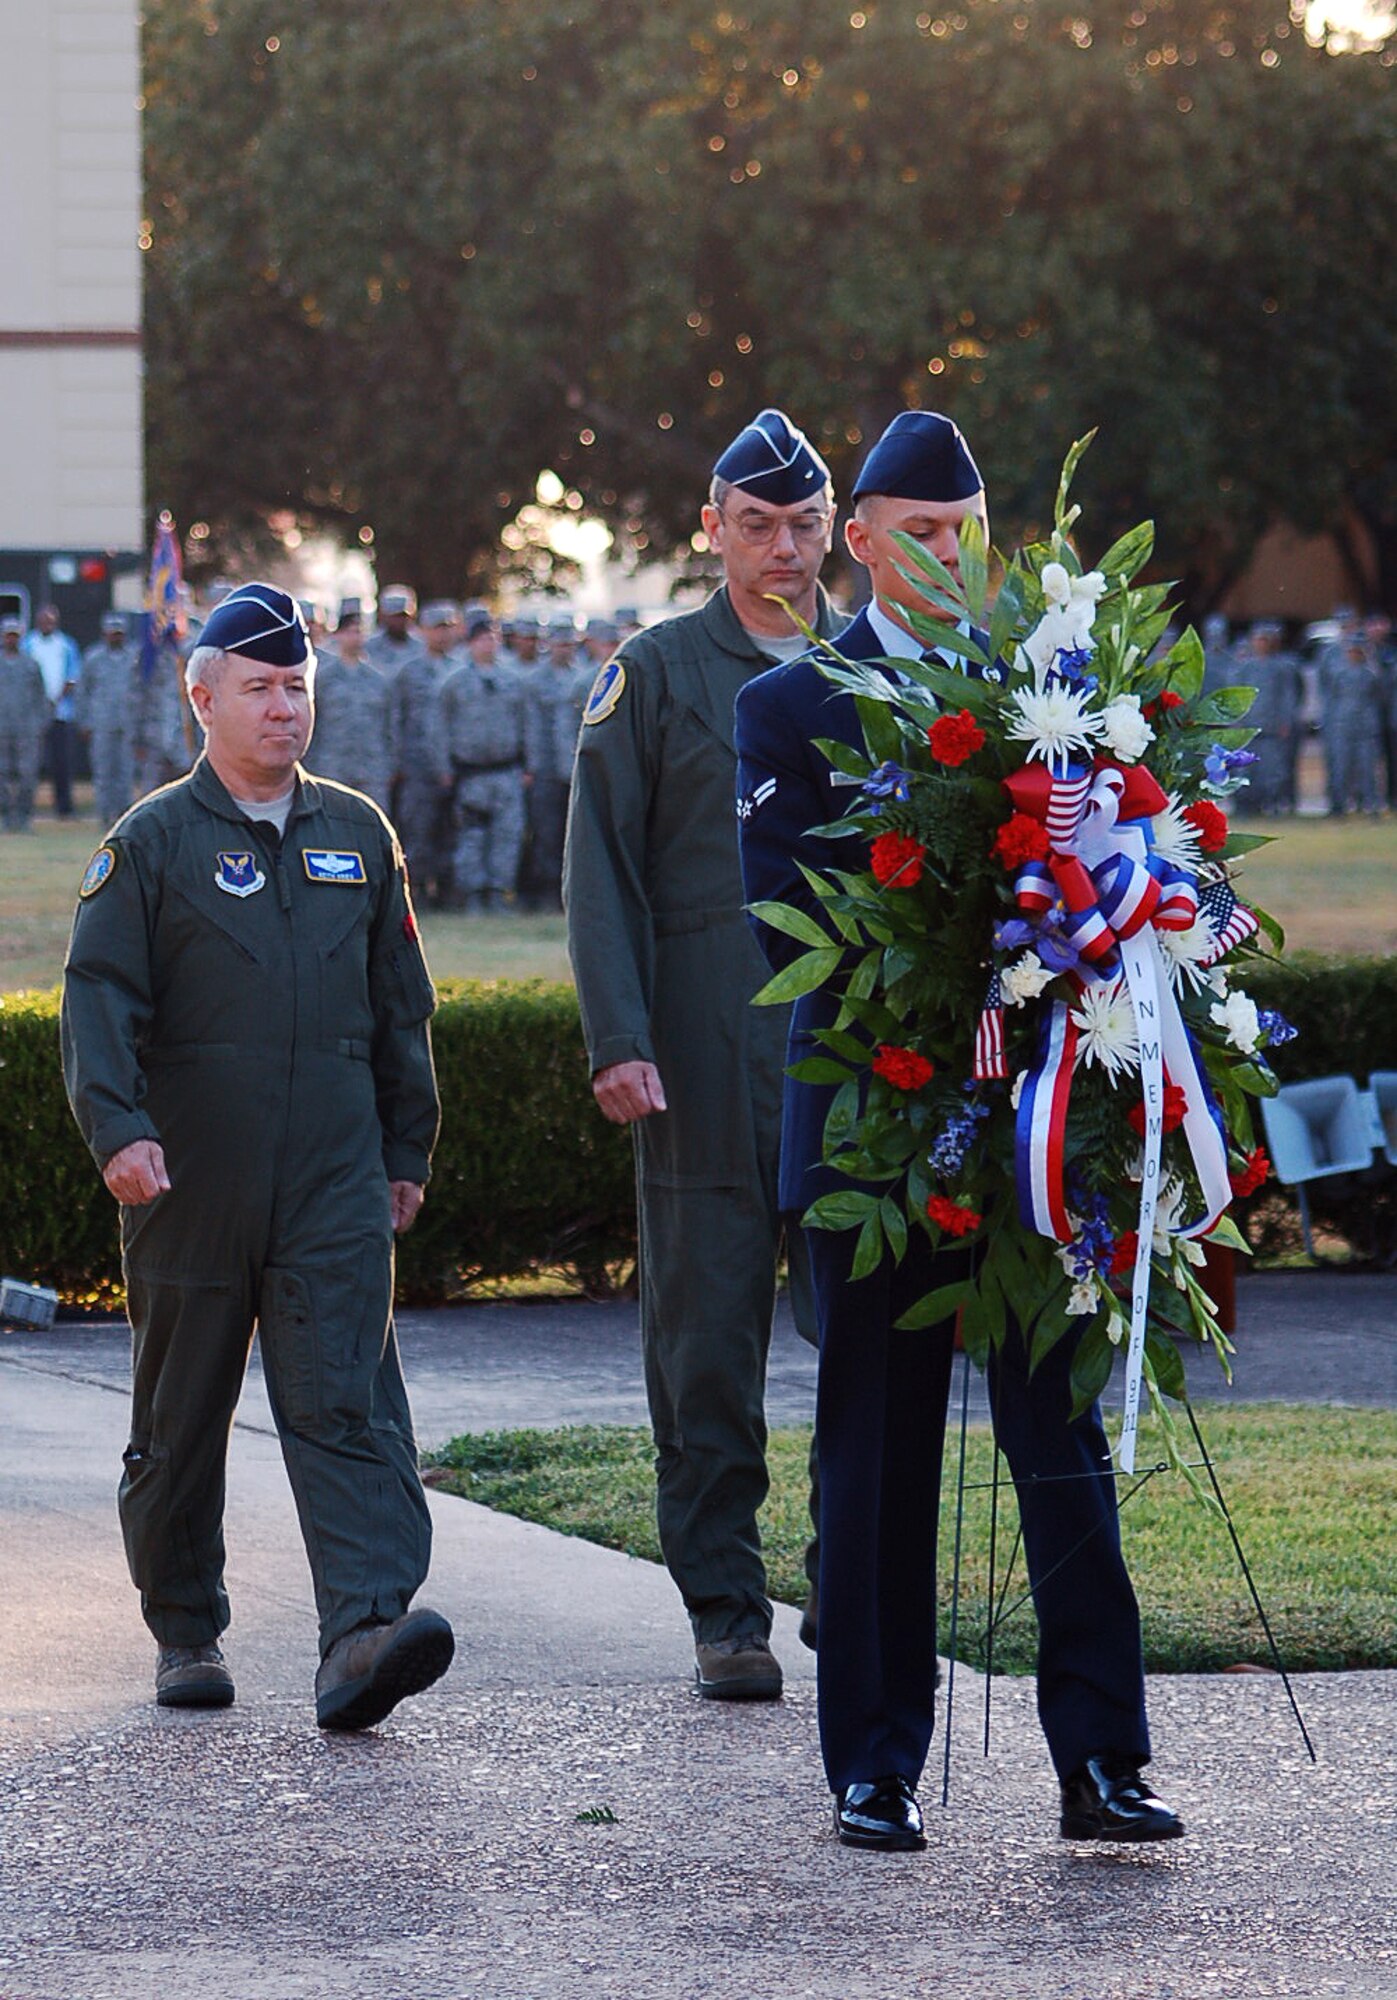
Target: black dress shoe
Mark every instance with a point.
(882, 1815)
(1109, 1800)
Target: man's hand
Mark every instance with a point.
(404, 1200)
(629, 1090)
(137, 1173)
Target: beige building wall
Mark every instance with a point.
(70, 279)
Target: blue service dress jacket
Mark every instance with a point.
(786, 786)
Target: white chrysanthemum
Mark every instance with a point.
(1237, 1017)
(1054, 721)
(1217, 980)
(1025, 979)
(1124, 729)
(1184, 952)
(1106, 1019)
(1175, 839)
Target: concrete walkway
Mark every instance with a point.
(243, 1855)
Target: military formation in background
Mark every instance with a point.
(464, 727)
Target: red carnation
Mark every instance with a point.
(1175, 1106)
(1021, 838)
(904, 1069)
(1124, 1255)
(1208, 823)
(953, 738)
(896, 860)
(950, 1216)
(1257, 1170)
(1162, 703)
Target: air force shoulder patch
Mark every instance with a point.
(607, 689)
(334, 864)
(98, 873)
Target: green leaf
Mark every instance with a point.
(1227, 1233)
(840, 1209)
(880, 730)
(842, 1116)
(974, 566)
(925, 567)
(795, 923)
(1224, 705)
(1168, 1365)
(1127, 557)
(936, 1307)
(937, 632)
(983, 1319)
(894, 1218)
(868, 1252)
(1050, 1327)
(802, 975)
(1243, 843)
(818, 1069)
(1185, 665)
(1259, 1079)
(1269, 925)
(1091, 1365)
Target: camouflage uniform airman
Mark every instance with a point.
(482, 714)
(24, 717)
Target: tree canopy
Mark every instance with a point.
(404, 254)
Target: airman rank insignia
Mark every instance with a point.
(333, 864)
(238, 874)
(607, 689)
(98, 873)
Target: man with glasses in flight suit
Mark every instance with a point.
(666, 968)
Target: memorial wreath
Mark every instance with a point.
(1042, 1045)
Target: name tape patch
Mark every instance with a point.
(334, 864)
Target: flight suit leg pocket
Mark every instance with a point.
(324, 1329)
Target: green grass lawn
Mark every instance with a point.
(1332, 883)
(1312, 1492)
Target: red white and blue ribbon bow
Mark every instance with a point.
(1118, 893)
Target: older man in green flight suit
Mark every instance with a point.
(666, 969)
(246, 1048)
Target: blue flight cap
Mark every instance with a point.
(773, 461)
(262, 623)
(920, 456)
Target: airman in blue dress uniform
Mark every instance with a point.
(881, 1406)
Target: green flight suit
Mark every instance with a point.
(260, 1007)
(666, 967)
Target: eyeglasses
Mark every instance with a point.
(758, 530)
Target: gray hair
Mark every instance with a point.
(203, 666)
(206, 663)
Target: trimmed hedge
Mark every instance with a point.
(528, 1176)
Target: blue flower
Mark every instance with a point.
(1071, 666)
(889, 781)
(1224, 767)
(1009, 935)
(1275, 1027)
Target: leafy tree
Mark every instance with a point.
(407, 254)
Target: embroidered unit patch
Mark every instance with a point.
(99, 870)
(237, 874)
(607, 689)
